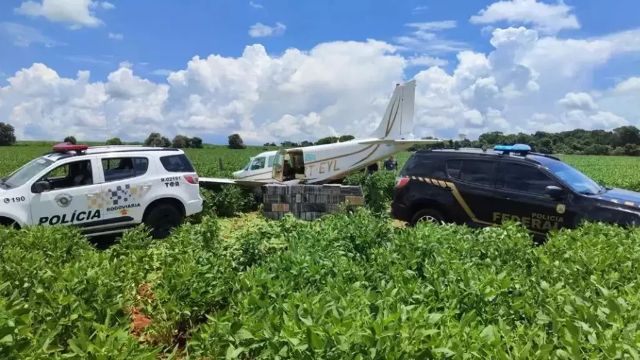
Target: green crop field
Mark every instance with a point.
(342, 287)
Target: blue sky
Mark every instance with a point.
(167, 34)
(156, 37)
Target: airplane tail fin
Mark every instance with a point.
(397, 122)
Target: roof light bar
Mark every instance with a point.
(66, 147)
(516, 148)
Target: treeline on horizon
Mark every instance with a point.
(621, 141)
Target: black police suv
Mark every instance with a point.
(482, 188)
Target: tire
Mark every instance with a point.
(427, 215)
(162, 219)
(4, 222)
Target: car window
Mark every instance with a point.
(27, 172)
(576, 180)
(123, 168)
(258, 163)
(270, 161)
(524, 178)
(69, 175)
(453, 168)
(418, 166)
(177, 163)
(479, 172)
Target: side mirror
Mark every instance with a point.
(40, 187)
(554, 192)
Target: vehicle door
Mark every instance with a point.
(277, 172)
(124, 187)
(72, 186)
(473, 187)
(521, 197)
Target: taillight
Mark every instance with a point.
(191, 179)
(401, 182)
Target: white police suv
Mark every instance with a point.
(102, 189)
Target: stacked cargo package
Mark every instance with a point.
(309, 202)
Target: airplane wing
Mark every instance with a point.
(392, 141)
(213, 183)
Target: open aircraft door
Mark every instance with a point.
(278, 166)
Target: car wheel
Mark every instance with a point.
(427, 215)
(4, 222)
(162, 219)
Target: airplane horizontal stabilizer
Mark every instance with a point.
(216, 180)
(401, 142)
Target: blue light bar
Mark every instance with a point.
(522, 148)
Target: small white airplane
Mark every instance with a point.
(320, 164)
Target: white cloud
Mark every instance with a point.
(115, 36)
(87, 59)
(529, 82)
(578, 101)
(423, 41)
(255, 5)
(433, 25)
(262, 30)
(426, 61)
(125, 64)
(76, 13)
(21, 35)
(161, 72)
(419, 9)
(423, 38)
(607, 120)
(549, 18)
(631, 85)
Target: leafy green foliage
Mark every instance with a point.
(228, 201)
(377, 188)
(7, 134)
(70, 139)
(621, 141)
(114, 141)
(347, 286)
(157, 140)
(235, 142)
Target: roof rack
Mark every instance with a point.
(114, 146)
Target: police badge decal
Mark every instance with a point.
(560, 208)
(63, 200)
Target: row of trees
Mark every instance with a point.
(624, 140)
(179, 141)
(621, 141)
(322, 141)
(157, 140)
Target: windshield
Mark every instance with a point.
(578, 181)
(27, 172)
(246, 167)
